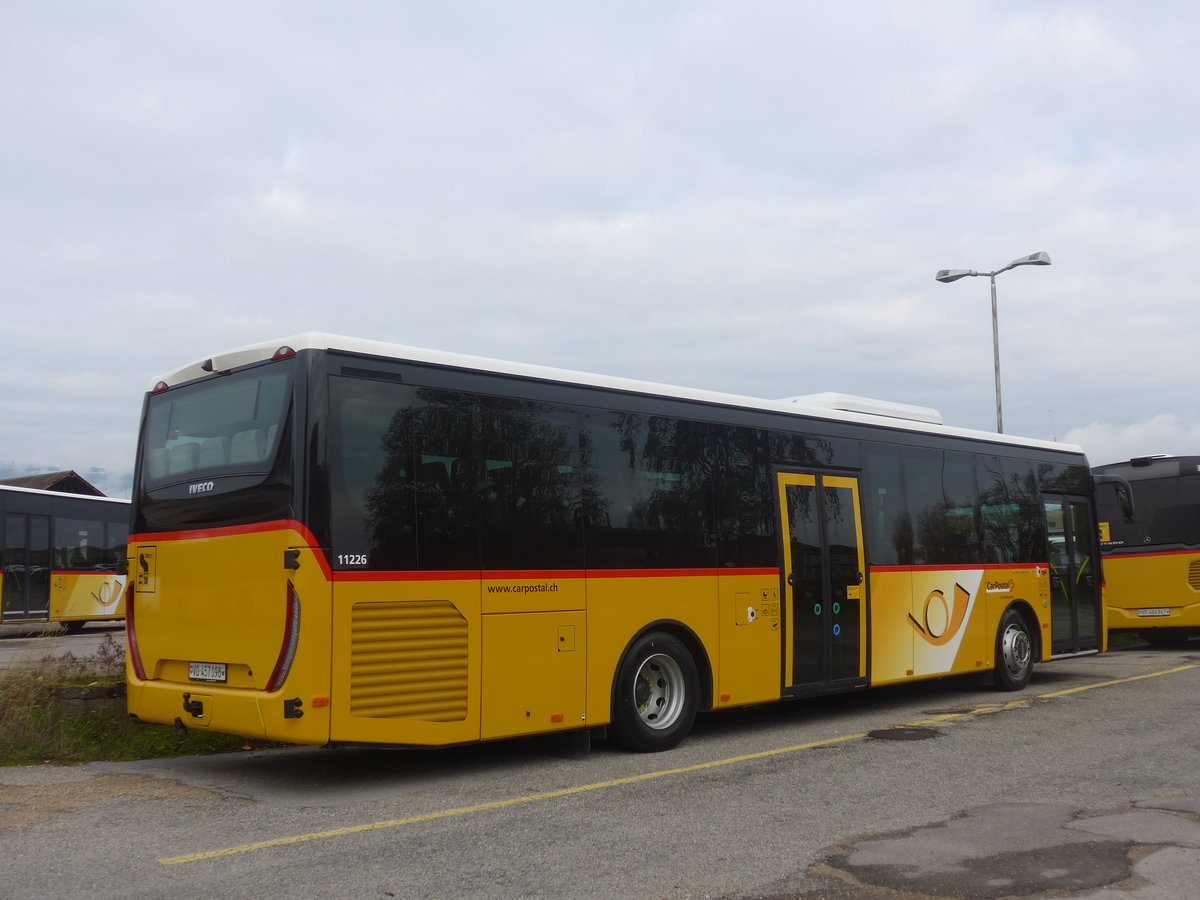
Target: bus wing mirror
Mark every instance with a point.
(1123, 490)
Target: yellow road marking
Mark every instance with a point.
(633, 779)
(502, 804)
(1089, 687)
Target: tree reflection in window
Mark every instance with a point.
(649, 487)
(1013, 526)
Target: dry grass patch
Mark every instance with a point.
(71, 709)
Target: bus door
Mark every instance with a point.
(825, 590)
(26, 568)
(1074, 585)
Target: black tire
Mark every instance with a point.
(655, 695)
(74, 627)
(1014, 652)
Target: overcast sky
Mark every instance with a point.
(749, 197)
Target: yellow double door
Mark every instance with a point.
(825, 636)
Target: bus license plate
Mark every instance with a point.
(198, 671)
(1153, 613)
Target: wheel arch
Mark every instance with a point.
(694, 646)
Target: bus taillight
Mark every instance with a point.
(291, 636)
(135, 657)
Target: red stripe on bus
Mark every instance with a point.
(675, 573)
(310, 541)
(543, 574)
(406, 576)
(229, 531)
(1192, 552)
(962, 567)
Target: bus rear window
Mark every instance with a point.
(223, 426)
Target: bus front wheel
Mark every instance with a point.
(656, 694)
(1014, 652)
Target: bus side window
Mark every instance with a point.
(372, 504)
(527, 482)
(889, 532)
(742, 486)
(960, 495)
(114, 547)
(78, 543)
(648, 491)
(926, 509)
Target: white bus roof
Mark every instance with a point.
(883, 414)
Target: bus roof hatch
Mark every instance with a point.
(850, 403)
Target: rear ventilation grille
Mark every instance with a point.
(408, 661)
(1194, 575)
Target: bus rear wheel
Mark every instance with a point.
(1014, 652)
(656, 694)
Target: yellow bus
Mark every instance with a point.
(338, 540)
(1150, 541)
(63, 557)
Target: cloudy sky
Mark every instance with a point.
(749, 197)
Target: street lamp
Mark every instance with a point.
(1041, 258)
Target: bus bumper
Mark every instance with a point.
(1146, 618)
(273, 717)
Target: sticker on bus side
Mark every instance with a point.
(144, 571)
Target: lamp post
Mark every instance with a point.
(1041, 258)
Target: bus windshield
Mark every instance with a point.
(230, 425)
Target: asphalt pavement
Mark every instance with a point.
(30, 645)
(1085, 785)
(1149, 850)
